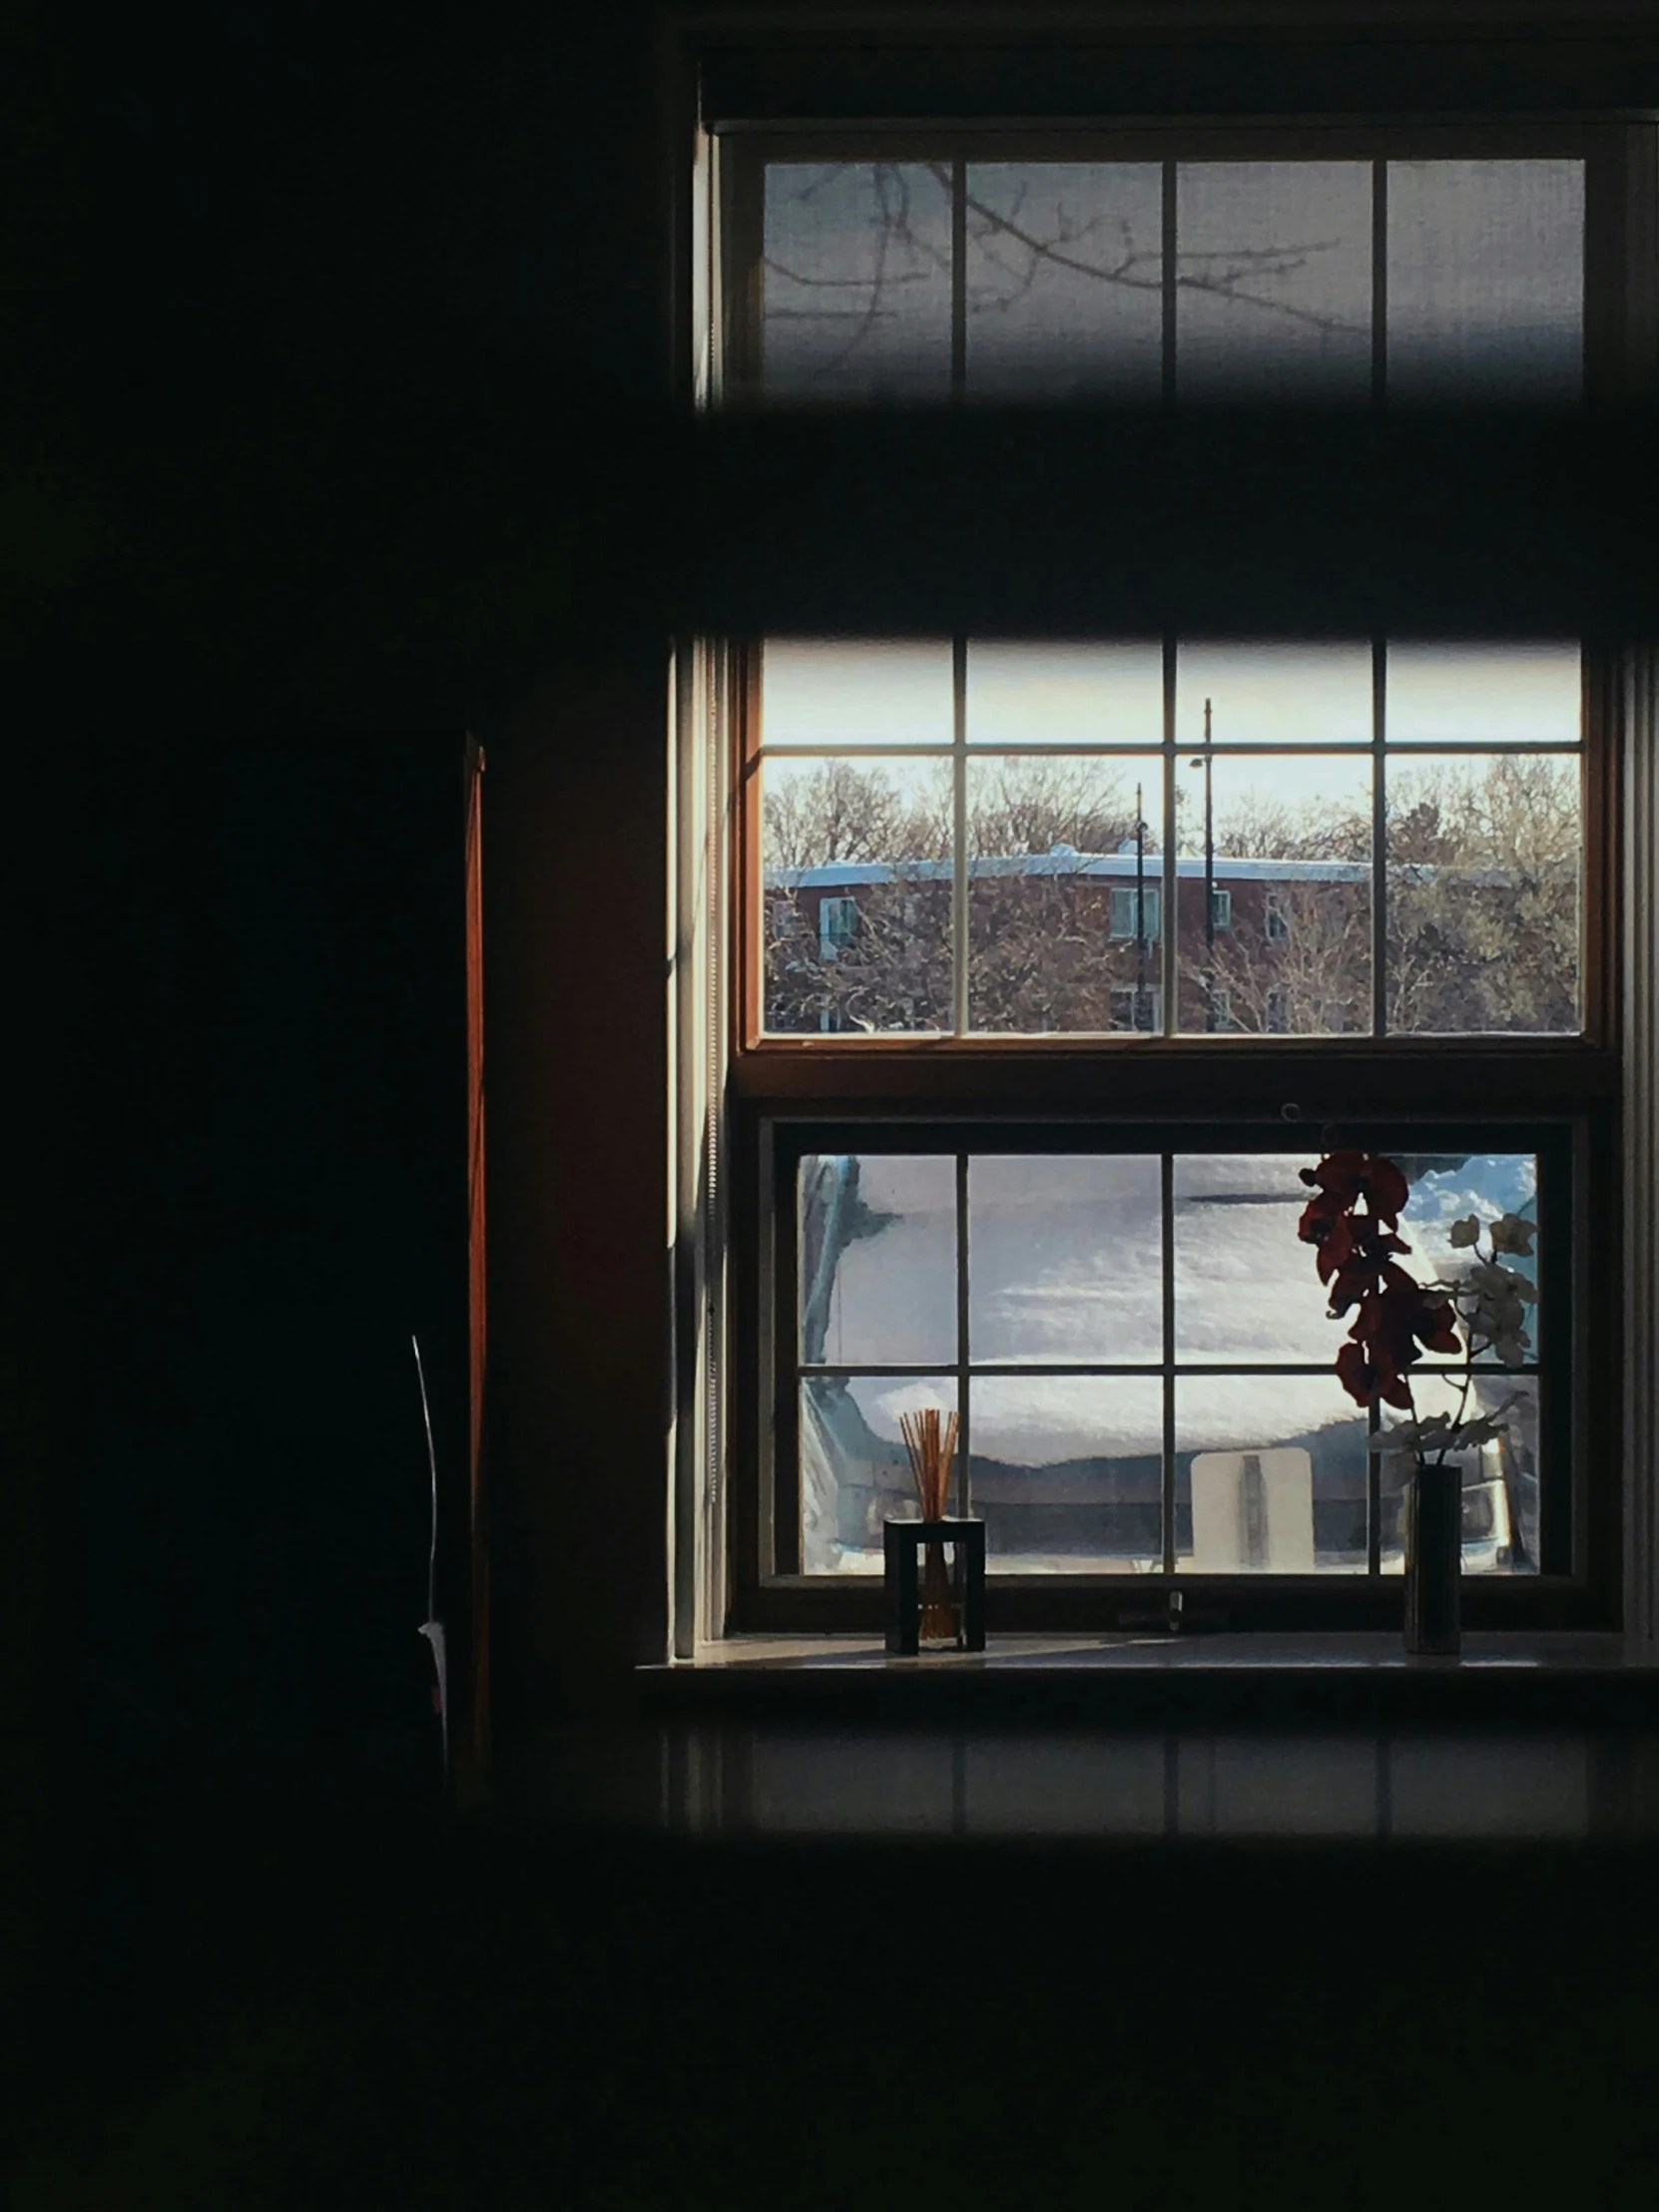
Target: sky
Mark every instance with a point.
(819, 693)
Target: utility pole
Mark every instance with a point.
(1140, 1020)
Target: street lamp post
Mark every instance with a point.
(1206, 761)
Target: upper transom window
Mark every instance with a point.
(1242, 274)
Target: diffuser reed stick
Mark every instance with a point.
(931, 1444)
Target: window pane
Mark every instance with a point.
(1273, 280)
(855, 290)
(856, 872)
(837, 691)
(1066, 1473)
(1245, 1288)
(1064, 280)
(1067, 694)
(878, 1258)
(1063, 1259)
(1448, 1187)
(1270, 1475)
(1485, 279)
(1288, 859)
(1052, 879)
(854, 1469)
(1484, 858)
(1501, 1478)
(1273, 694)
(1492, 694)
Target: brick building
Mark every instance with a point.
(1071, 940)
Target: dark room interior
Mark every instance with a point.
(392, 1240)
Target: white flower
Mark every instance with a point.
(1511, 1234)
(1441, 1433)
(1465, 1232)
(1414, 1435)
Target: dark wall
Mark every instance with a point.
(338, 385)
(326, 348)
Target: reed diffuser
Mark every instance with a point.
(931, 1442)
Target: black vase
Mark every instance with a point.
(1434, 1558)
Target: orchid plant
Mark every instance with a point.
(1352, 1221)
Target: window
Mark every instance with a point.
(1143, 1385)
(1385, 851)
(1134, 914)
(1400, 825)
(1138, 1009)
(837, 922)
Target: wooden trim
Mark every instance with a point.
(477, 1738)
(749, 910)
(1604, 866)
(1182, 1078)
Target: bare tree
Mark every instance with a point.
(1018, 805)
(1305, 971)
(1483, 897)
(1012, 247)
(1482, 909)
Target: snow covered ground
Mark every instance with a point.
(1065, 1269)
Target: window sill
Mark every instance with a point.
(1152, 1678)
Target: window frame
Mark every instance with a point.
(1598, 751)
(1057, 1600)
(1578, 1591)
(777, 1081)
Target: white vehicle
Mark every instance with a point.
(1488, 1534)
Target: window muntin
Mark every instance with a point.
(1136, 1346)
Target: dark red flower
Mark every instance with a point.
(1351, 1220)
(1343, 1178)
